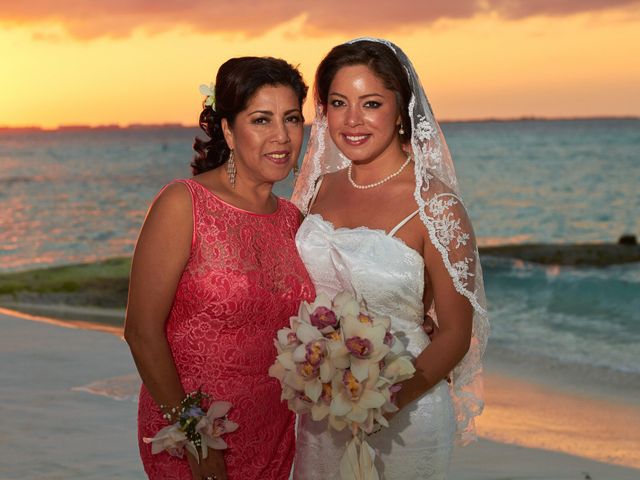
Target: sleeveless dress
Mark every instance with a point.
(389, 275)
(242, 282)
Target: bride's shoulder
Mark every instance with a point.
(332, 177)
(326, 185)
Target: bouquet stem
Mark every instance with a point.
(357, 462)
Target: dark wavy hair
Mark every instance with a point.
(238, 79)
(381, 60)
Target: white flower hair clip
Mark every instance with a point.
(209, 92)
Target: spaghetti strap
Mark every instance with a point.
(395, 229)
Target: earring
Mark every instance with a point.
(231, 169)
(401, 131)
(296, 170)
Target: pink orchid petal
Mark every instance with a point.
(218, 409)
(202, 424)
(216, 443)
(230, 426)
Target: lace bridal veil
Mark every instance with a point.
(443, 215)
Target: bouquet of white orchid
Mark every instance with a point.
(339, 360)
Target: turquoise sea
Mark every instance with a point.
(71, 196)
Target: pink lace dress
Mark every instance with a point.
(243, 281)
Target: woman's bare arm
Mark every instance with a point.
(160, 256)
(455, 321)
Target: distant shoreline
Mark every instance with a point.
(578, 254)
(170, 125)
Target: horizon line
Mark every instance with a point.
(143, 126)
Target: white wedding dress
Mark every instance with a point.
(389, 275)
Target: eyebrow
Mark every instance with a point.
(360, 97)
(270, 113)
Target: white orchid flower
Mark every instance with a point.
(213, 425)
(352, 399)
(322, 407)
(303, 363)
(398, 370)
(345, 303)
(319, 314)
(300, 403)
(169, 438)
(363, 342)
(314, 351)
(277, 371)
(210, 93)
(286, 339)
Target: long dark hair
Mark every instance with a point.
(381, 60)
(237, 81)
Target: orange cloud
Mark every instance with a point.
(119, 18)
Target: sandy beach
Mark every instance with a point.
(68, 410)
(52, 429)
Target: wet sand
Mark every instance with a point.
(64, 378)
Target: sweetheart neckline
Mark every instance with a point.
(364, 228)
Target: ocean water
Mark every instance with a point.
(75, 196)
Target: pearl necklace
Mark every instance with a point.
(379, 182)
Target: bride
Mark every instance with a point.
(385, 220)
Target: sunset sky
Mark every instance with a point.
(70, 62)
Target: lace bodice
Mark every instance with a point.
(389, 275)
(242, 282)
(381, 268)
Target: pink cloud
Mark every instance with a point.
(90, 19)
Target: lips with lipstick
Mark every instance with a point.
(280, 157)
(355, 140)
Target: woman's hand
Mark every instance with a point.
(430, 327)
(210, 468)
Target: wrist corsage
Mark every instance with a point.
(192, 428)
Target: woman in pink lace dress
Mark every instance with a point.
(216, 273)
